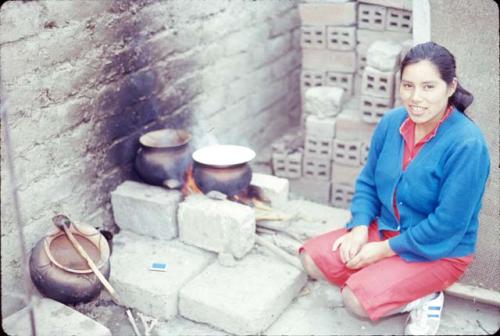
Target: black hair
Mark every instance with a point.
(444, 61)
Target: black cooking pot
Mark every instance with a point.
(163, 157)
(60, 273)
(223, 168)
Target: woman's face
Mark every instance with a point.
(424, 94)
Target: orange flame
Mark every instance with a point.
(190, 186)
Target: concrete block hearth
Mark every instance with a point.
(152, 292)
(58, 319)
(145, 209)
(215, 225)
(274, 189)
(242, 300)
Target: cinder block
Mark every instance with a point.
(342, 195)
(324, 102)
(329, 60)
(317, 148)
(371, 16)
(322, 128)
(245, 299)
(312, 78)
(313, 37)
(384, 55)
(398, 20)
(401, 4)
(145, 209)
(347, 152)
(312, 189)
(344, 174)
(215, 225)
(377, 83)
(374, 108)
(365, 149)
(335, 14)
(340, 38)
(153, 293)
(367, 37)
(350, 126)
(52, 318)
(273, 188)
(317, 168)
(339, 79)
(288, 165)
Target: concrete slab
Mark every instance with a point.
(182, 327)
(319, 311)
(151, 292)
(53, 318)
(242, 300)
(313, 219)
(214, 225)
(145, 209)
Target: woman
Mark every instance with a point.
(415, 209)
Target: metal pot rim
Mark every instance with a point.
(154, 139)
(222, 156)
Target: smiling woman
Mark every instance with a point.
(412, 232)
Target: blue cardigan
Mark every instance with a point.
(439, 195)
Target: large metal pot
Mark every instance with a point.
(223, 168)
(60, 273)
(164, 157)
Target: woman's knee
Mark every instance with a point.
(310, 266)
(352, 303)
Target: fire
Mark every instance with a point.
(190, 186)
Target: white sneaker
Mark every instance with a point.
(424, 320)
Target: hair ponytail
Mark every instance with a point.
(461, 99)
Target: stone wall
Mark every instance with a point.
(81, 80)
(470, 31)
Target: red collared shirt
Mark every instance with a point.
(411, 149)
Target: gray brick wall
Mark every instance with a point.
(81, 80)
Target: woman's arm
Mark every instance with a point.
(365, 205)
(466, 171)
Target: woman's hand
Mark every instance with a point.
(351, 242)
(370, 253)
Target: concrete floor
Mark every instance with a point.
(317, 311)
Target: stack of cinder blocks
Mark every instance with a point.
(377, 85)
(381, 20)
(350, 61)
(328, 41)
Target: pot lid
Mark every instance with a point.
(223, 155)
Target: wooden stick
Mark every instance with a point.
(91, 263)
(132, 321)
(291, 260)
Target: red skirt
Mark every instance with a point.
(388, 284)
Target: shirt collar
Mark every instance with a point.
(408, 126)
